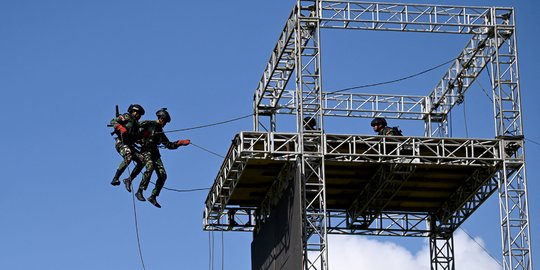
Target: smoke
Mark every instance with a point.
(359, 252)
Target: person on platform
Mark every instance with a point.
(381, 127)
(310, 123)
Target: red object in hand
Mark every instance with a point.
(183, 142)
(120, 128)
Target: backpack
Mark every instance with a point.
(396, 131)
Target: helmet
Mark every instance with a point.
(378, 121)
(163, 113)
(136, 108)
(310, 123)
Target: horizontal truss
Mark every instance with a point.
(363, 105)
(477, 21)
(408, 17)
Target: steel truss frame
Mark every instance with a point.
(378, 193)
(441, 249)
(310, 163)
(362, 105)
(297, 54)
(479, 153)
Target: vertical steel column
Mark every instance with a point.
(311, 160)
(441, 247)
(515, 230)
(255, 114)
(435, 123)
(442, 252)
(436, 126)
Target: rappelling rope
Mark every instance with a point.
(175, 190)
(333, 92)
(490, 99)
(212, 250)
(184, 190)
(210, 125)
(135, 216)
(222, 251)
(193, 189)
(481, 246)
(206, 150)
(209, 252)
(137, 229)
(465, 119)
(396, 80)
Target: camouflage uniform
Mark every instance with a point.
(152, 137)
(125, 144)
(388, 131)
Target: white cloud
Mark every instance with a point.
(358, 252)
(470, 255)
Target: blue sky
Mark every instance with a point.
(64, 65)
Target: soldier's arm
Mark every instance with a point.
(174, 145)
(145, 130)
(118, 123)
(168, 144)
(123, 119)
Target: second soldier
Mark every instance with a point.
(152, 136)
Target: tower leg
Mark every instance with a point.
(442, 252)
(311, 158)
(513, 202)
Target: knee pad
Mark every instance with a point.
(128, 158)
(125, 151)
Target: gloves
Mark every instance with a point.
(183, 142)
(120, 128)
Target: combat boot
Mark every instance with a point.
(127, 183)
(140, 196)
(115, 182)
(152, 200)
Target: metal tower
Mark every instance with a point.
(376, 185)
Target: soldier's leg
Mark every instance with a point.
(160, 182)
(162, 177)
(149, 164)
(139, 165)
(127, 156)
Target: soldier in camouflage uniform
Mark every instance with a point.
(126, 128)
(381, 127)
(152, 136)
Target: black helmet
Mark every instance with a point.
(310, 123)
(164, 114)
(136, 108)
(378, 121)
